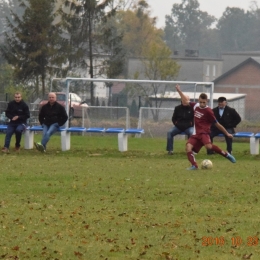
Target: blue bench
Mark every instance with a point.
(254, 144)
(121, 133)
(257, 135)
(3, 128)
(251, 135)
(66, 134)
(30, 131)
(244, 134)
(95, 130)
(240, 134)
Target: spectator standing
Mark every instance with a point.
(17, 112)
(52, 115)
(182, 119)
(226, 116)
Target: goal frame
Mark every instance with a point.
(68, 80)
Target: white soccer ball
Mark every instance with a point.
(206, 164)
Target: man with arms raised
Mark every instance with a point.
(52, 115)
(203, 119)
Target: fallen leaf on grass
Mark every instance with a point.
(16, 248)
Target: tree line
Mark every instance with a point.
(43, 39)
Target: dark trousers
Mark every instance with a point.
(228, 140)
(11, 129)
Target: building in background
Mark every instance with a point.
(243, 78)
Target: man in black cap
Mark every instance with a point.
(228, 117)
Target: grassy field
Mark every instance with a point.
(93, 202)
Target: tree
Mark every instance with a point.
(255, 30)
(5, 11)
(138, 28)
(111, 43)
(34, 43)
(82, 24)
(187, 26)
(8, 84)
(236, 27)
(158, 65)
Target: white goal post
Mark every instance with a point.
(68, 80)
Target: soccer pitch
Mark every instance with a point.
(93, 202)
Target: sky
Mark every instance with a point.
(160, 8)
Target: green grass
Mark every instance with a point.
(93, 202)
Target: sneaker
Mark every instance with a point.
(17, 149)
(192, 168)
(231, 158)
(36, 146)
(5, 150)
(41, 148)
(170, 153)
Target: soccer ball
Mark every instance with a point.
(206, 164)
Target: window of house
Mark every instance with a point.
(214, 70)
(207, 70)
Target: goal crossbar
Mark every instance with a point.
(68, 80)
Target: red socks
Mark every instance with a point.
(191, 158)
(218, 150)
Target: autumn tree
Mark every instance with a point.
(138, 27)
(144, 41)
(157, 65)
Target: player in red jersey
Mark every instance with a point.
(203, 119)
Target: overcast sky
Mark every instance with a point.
(160, 8)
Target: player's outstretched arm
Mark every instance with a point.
(223, 130)
(184, 99)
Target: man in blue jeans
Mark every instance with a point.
(182, 119)
(52, 115)
(17, 112)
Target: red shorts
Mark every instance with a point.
(198, 141)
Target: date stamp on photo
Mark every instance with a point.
(234, 241)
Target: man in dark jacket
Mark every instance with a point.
(228, 117)
(182, 119)
(18, 112)
(52, 115)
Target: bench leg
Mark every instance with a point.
(122, 142)
(65, 141)
(28, 139)
(254, 145)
